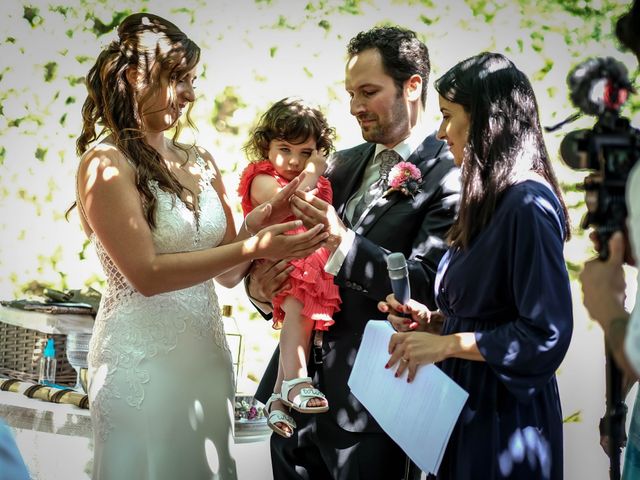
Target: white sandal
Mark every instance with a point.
(300, 402)
(278, 416)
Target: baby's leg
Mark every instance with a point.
(295, 342)
(277, 404)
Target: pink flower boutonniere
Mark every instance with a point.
(404, 177)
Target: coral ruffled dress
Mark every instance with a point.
(309, 282)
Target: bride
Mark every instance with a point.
(161, 381)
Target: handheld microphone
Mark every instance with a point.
(399, 276)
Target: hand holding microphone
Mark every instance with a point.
(399, 276)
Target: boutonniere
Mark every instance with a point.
(404, 177)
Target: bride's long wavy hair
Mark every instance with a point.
(160, 52)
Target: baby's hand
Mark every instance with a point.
(317, 163)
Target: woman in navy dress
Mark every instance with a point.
(502, 287)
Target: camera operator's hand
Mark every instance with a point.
(628, 256)
(604, 437)
(603, 285)
(627, 385)
(603, 289)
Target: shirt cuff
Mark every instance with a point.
(336, 259)
(265, 308)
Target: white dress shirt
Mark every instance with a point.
(371, 173)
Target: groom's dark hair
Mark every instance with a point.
(403, 54)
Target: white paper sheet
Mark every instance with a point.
(419, 416)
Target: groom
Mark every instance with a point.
(386, 77)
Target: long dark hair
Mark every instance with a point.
(504, 137)
(293, 121)
(159, 51)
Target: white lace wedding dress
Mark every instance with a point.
(161, 380)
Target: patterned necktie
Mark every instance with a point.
(387, 159)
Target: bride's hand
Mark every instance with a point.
(274, 243)
(275, 210)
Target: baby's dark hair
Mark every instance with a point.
(293, 121)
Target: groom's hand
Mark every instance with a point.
(268, 278)
(312, 211)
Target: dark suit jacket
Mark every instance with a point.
(414, 226)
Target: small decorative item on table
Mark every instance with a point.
(250, 420)
(77, 350)
(21, 349)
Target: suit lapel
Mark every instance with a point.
(423, 157)
(427, 150)
(348, 176)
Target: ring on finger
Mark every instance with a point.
(405, 360)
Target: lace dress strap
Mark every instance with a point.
(208, 173)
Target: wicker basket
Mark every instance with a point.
(21, 350)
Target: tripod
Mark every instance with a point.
(613, 423)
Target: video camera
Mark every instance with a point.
(600, 86)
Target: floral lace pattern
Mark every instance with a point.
(130, 327)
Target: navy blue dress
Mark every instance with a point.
(511, 288)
